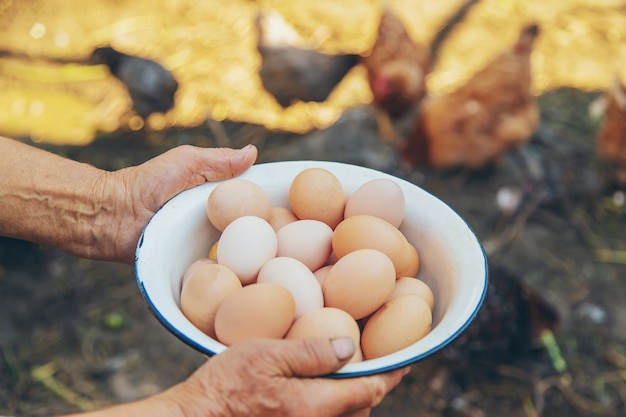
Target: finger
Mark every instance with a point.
(189, 166)
(216, 164)
(355, 394)
(314, 356)
(361, 413)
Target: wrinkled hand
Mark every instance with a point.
(141, 190)
(255, 378)
(279, 378)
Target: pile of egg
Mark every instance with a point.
(327, 266)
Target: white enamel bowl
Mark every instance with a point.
(453, 262)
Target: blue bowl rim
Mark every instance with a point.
(396, 365)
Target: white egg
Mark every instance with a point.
(298, 279)
(309, 241)
(245, 245)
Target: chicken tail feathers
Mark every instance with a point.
(453, 21)
(527, 38)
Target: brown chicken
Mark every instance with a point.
(475, 125)
(396, 66)
(611, 140)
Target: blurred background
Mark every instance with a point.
(210, 47)
(75, 334)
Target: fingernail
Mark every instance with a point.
(245, 153)
(344, 347)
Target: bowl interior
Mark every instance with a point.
(453, 262)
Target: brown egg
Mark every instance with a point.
(409, 261)
(237, 198)
(280, 216)
(308, 241)
(195, 265)
(332, 259)
(298, 279)
(360, 282)
(411, 285)
(204, 291)
(380, 197)
(322, 273)
(256, 310)
(397, 324)
(317, 194)
(327, 322)
(371, 232)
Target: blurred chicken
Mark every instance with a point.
(150, 85)
(475, 125)
(611, 140)
(514, 325)
(397, 66)
(290, 71)
(509, 324)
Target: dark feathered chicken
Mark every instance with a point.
(292, 74)
(150, 85)
(510, 322)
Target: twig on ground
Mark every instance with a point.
(13, 367)
(552, 347)
(529, 407)
(563, 383)
(45, 375)
(611, 256)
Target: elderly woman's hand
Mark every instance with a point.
(93, 213)
(281, 378)
(141, 190)
(269, 378)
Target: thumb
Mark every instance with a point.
(216, 164)
(244, 158)
(316, 356)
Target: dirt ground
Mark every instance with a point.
(76, 334)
